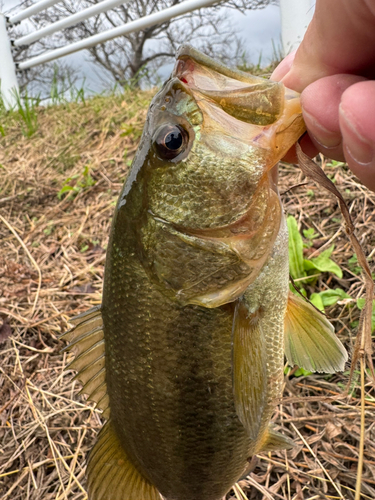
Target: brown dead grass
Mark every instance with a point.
(51, 268)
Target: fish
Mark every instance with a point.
(185, 354)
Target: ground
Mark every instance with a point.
(61, 170)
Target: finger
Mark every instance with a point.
(320, 104)
(357, 124)
(283, 68)
(339, 39)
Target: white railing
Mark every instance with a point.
(32, 10)
(296, 15)
(69, 21)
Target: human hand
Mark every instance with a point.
(334, 68)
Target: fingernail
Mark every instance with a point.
(324, 137)
(360, 149)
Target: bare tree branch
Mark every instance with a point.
(127, 58)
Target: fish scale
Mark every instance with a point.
(187, 385)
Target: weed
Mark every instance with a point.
(353, 265)
(77, 183)
(334, 163)
(307, 270)
(78, 94)
(300, 372)
(27, 111)
(64, 90)
(54, 93)
(310, 235)
(328, 298)
(132, 130)
(49, 230)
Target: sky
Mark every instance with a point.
(260, 30)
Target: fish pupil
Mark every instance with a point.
(173, 140)
(170, 141)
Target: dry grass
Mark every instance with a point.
(51, 268)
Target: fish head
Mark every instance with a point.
(212, 136)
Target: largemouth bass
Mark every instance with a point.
(185, 355)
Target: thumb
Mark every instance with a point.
(357, 125)
(339, 39)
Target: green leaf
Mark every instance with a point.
(317, 301)
(361, 304)
(302, 372)
(328, 298)
(301, 291)
(295, 245)
(353, 259)
(298, 373)
(310, 233)
(353, 265)
(323, 263)
(63, 190)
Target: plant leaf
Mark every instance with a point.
(328, 298)
(323, 263)
(295, 245)
(317, 301)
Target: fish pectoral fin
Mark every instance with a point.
(111, 475)
(249, 369)
(86, 341)
(274, 441)
(310, 341)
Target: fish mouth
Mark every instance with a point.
(274, 110)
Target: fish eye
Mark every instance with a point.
(170, 141)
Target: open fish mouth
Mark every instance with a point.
(270, 106)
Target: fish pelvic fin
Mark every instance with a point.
(111, 475)
(310, 341)
(249, 369)
(274, 441)
(86, 341)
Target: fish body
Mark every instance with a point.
(185, 355)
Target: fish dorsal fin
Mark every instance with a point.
(274, 441)
(310, 341)
(249, 369)
(111, 475)
(86, 341)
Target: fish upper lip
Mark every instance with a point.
(186, 52)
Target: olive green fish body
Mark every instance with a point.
(185, 356)
(172, 401)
